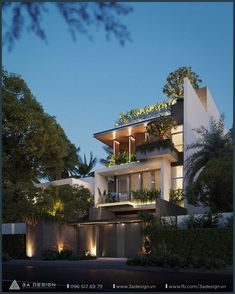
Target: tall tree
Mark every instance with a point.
(211, 144)
(84, 167)
(160, 126)
(34, 144)
(174, 87)
(109, 152)
(78, 16)
(214, 186)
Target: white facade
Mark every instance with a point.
(199, 109)
(87, 182)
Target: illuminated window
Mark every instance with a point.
(177, 177)
(177, 137)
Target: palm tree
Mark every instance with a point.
(85, 167)
(109, 151)
(212, 143)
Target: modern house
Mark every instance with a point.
(149, 170)
(159, 168)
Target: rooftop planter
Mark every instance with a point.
(160, 148)
(143, 113)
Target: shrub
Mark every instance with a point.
(204, 242)
(5, 256)
(14, 245)
(160, 144)
(82, 256)
(145, 195)
(50, 254)
(176, 261)
(64, 254)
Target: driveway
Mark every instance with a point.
(110, 274)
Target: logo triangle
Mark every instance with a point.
(14, 286)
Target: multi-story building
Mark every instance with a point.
(159, 168)
(114, 225)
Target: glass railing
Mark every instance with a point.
(113, 197)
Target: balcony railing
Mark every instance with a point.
(115, 197)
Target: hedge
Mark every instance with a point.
(203, 242)
(14, 245)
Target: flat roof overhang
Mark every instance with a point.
(132, 167)
(122, 133)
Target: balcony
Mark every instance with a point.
(162, 148)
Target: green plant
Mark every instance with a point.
(49, 254)
(64, 254)
(177, 196)
(5, 256)
(145, 195)
(14, 245)
(82, 256)
(177, 261)
(204, 221)
(174, 87)
(121, 158)
(142, 113)
(160, 144)
(161, 126)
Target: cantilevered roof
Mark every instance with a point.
(122, 133)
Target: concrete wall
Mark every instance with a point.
(88, 182)
(101, 183)
(165, 179)
(44, 236)
(197, 112)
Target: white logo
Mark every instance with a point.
(14, 286)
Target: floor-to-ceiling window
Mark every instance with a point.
(148, 180)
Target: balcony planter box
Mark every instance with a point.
(164, 148)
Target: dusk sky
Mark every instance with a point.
(86, 84)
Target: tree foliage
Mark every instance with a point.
(174, 87)
(214, 186)
(78, 16)
(84, 167)
(160, 126)
(34, 144)
(109, 152)
(35, 147)
(209, 168)
(211, 143)
(24, 202)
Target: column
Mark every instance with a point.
(165, 179)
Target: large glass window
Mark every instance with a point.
(123, 187)
(177, 177)
(157, 179)
(146, 180)
(135, 181)
(177, 137)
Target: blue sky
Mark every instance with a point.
(86, 84)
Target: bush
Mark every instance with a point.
(5, 256)
(176, 261)
(49, 254)
(64, 254)
(14, 245)
(215, 243)
(82, 256)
